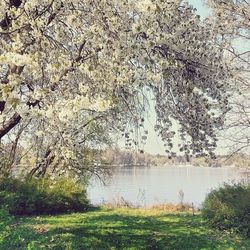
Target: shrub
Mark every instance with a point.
(5, 221)
(228, 207)
(41, 196)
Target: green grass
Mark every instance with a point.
(115, 229)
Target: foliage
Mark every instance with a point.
(5, 221)
(71, 69)
(119, 229)
(41, 196)
(231, 19)
(229, 207)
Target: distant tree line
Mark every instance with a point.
(119, 157)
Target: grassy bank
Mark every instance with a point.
(115, 229)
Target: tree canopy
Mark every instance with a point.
(231, 19)
(72, 72)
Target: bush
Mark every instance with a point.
(41, 196)
(229, 207)
(5, 221)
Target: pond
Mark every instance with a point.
(147, 186)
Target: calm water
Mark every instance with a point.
(154, 185)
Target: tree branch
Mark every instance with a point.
(14, 120)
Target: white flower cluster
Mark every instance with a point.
(75, 61)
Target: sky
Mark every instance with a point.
(202, 10)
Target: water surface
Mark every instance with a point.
(154, 185)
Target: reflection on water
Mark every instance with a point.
(154, 185)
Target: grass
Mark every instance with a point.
(115, 229)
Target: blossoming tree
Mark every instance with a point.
(73, 71)
(232, 19)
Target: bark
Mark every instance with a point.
(41, 169)
(2, 106)
(14, 120)
(15, 3)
